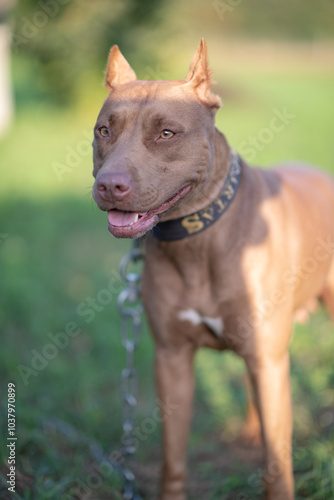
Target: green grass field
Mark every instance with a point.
(56, 254)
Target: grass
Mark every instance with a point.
(56, 254)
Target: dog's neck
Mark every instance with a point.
(178, 229)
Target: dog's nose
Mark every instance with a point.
(116, 185)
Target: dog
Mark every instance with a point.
(224, 242)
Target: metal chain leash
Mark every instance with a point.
(130, 309)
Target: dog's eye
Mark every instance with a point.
(166, 134)
(104, 131)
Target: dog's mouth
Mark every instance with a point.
(126, 224)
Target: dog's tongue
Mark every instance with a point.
(119, 218)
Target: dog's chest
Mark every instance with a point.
(194, 290)
(195, 305)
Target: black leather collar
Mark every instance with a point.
(178, 229)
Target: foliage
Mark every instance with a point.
(61, 42)
(65, 39)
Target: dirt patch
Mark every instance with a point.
(232, 471)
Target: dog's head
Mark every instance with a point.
(153, 144)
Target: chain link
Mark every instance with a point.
(130, 309)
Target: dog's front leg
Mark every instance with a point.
(175, 385)
(270, 377)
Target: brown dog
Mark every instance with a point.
(232, 252)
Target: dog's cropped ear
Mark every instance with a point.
(118, 70)
(199, 77)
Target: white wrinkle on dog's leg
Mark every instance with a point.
(216, 325)
(191, 315)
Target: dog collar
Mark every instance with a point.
(178, 229)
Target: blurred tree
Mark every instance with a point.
(65, 39)
(60, 42)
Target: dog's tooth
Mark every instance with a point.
(135, 219)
